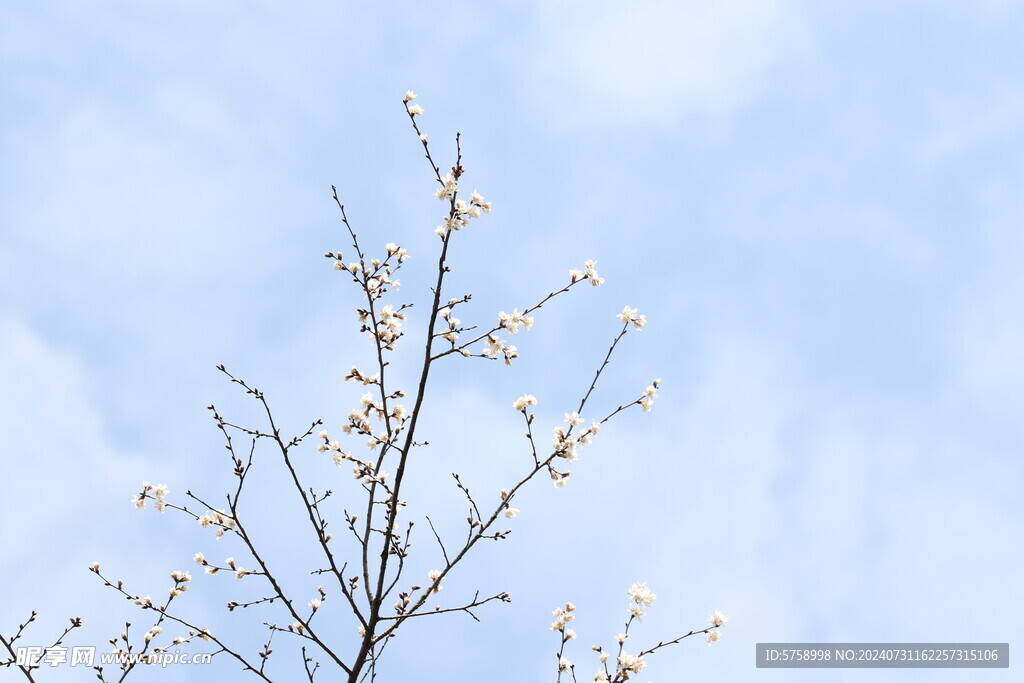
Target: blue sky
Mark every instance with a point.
(816, 204)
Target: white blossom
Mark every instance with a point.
(449, 186)
(595, 279)
(496, 346)
(525, 400)
(398, 252)
(434, 575)
(512, 321)
(562, 616)
(650, 393)
(565, 445)
(641, 594)
(158, 493)
(477, 200)
(634, 663)
(629, 315)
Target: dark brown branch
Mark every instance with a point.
(26, 671)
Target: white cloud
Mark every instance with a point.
(986, 335)
(649, 62)
(966, 123)
(65, 489)
(64, 503)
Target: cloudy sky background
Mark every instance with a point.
(817, 205)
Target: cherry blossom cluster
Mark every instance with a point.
(463, 211)
(512, 321)
(356, 376)
(460, 211)
(626, 664)
(375, 275)
(449, 187)
(217, 519)
(563, 617)
(230, 567)
(394, 417)
(333, 447)
(650, 393)
(181, 581)
(565, 444)
(495, 346)
(361, 469)
(213, 518)
(387, 328)
(589, 272)
(157, 493)
(629, 315)
(451, 334)
(642, 597)
(524, 401)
